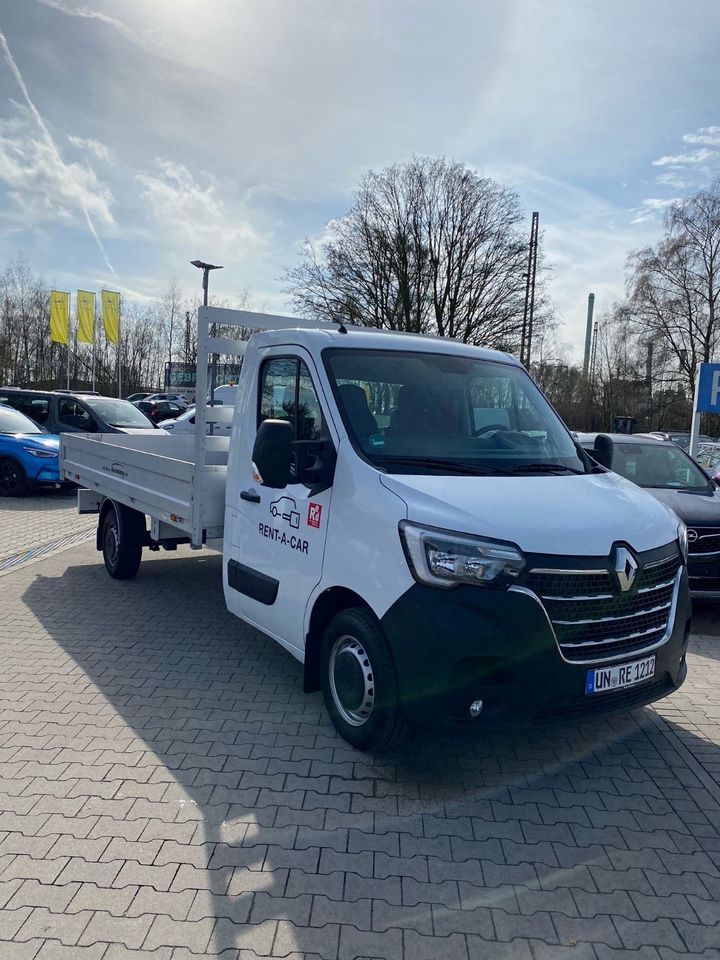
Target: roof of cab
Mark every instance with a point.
(370, 338)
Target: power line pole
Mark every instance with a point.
(588, 333)
(529, 309)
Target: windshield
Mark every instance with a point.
(661, 465)
(118, 413)
(413, 412)
(708, 455)
(11, 421)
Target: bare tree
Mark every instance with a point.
(151, 333)
(170, 312)
(674, 287)
(428, 247)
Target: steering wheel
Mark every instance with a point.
(488, 426)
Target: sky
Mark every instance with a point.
(137, 135)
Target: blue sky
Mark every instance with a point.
(136, 135)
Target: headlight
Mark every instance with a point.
(444, 559)
(683, 540)
(43, 454)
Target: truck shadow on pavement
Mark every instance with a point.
(224, 784)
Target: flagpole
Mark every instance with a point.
(94, 338)
(119, 352)
(67, 365)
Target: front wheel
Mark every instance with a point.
(359, 683)
(122, 552)
(13, 479)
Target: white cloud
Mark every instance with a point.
(43, 188)
(709, 136)
(681, 159)
(672, 178)
(97, 149)
(70, 180)
(88, 14)
(655, 203)
(195, 215)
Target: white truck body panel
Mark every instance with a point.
(155, 474)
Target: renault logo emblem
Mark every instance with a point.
(625, 568)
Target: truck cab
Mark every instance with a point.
(410, 518)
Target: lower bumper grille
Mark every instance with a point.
(581, 708)
(593, 622)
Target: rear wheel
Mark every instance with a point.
(13, 479)
(359, 683)
(121, 547)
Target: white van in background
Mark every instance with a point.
(226, 394)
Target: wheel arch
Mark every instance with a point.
(327, 605)
(132, 523)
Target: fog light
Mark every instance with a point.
(476, 708)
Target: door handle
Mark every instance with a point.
(250, 496)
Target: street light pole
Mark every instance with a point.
(206, 268)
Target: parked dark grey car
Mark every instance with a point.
(59, 411)
(675, 479)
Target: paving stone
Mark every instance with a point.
(65, 927)
(539, 926)
(361, 943)
(104, 927)
(516, 949)
(12, 920)
(178, 933)
(674, 906)
(35, 894)
(53, 950)
(695, 936)
(148, 900)
(91, 897)
(136, 874)
(478, 921)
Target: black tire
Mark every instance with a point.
(121, 547)
(359, 683)
(13, 479)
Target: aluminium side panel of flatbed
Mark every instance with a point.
(154, 474)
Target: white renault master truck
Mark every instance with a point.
(409, 518)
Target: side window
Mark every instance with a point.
(288, 393)
(38, 409)
(72, 415)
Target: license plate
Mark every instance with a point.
(607, 679)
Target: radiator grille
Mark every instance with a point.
(595, 622)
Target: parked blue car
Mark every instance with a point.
(29, 454)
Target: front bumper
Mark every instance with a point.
(44, 473)
(472, 643)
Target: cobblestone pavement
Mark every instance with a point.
(45, 517)
(169, 792)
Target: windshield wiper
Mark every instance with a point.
(453, 465)
(543, 468)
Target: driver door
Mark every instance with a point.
(277, 537)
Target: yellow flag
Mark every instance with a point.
(59, 316)
(86, 316)
(111, 314)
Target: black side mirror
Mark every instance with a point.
(272, 453)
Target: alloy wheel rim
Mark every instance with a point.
(8, 478)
